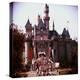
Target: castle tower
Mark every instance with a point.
(28, 43)
(46, 17)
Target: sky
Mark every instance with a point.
(64, 16)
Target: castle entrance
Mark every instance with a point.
(42, 47)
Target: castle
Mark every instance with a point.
(40, 40)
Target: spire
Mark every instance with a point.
(53, 25)
(65, 33)
(46, 11)
(28, 25)
(46, 8)
(41, 24)
(68, 35)
(46, 17)
(28, 22)
(39, 18)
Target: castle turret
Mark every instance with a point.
(65, 33)
(28, 43)
(28, 28)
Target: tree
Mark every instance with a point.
(17, 40)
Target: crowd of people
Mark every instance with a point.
(43, 65)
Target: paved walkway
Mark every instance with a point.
(34, 73)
